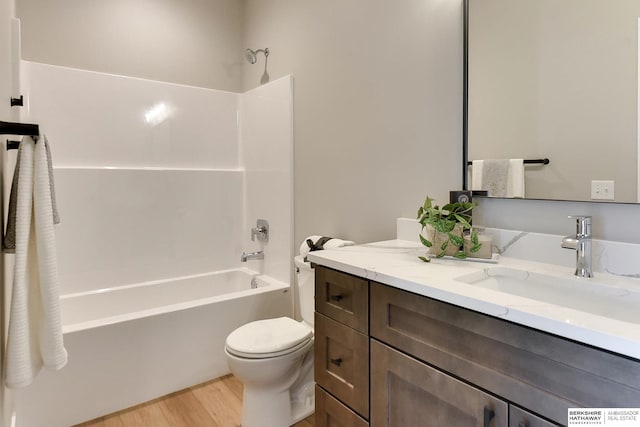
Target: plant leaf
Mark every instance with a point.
(476, 248)
(427, 203)
(433, 212)
(444, 245)
(425, 241)
(444, 225)
(424, 259)
(449, 207)
(440, 255)
(461, 255)
(474, 237)
(463, 221)
(420, 212)
(455, 240)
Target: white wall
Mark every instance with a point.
(142, 200)
(102, 120)
(266, 136)
(378, 106)
(195, 42)
(378, 101)
(138, 200)
(8, 83)
(611, 221)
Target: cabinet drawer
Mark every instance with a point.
(342, 363)
(343, 297)
(331, 413)
(521, 418)
(408, 393)
(533, 369)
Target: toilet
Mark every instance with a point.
(274, 360)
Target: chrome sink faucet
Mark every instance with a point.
(581, 243)
(251, 255)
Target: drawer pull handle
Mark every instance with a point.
(336, 297)
(336, 362)
(488, 416)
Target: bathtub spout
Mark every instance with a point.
(251, 255)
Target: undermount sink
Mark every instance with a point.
(583, 295)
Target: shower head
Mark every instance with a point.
(251, 55)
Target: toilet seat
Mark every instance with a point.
(268, 338)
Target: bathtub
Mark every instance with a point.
(131, 344)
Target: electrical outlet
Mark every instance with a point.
(602, 190)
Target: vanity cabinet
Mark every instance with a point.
(341, 349)
(330, 412)
(518, 417)
(432, 364)
(407, 392)
(342, 363)
(343, 298)
(543, 373)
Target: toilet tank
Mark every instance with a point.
(305, 281)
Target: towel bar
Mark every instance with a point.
(544, 161)
(12, 128)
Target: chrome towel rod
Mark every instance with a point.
(12, 128)
(544, 161)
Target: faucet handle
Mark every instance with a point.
(261, 230)
(583, 225)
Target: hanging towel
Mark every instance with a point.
(316, 243)
(515, 183)
(34, 339)
(9, 240)
(500, 177)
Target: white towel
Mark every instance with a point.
(332, 243)
(34, 339)
(500, 177)
(9, 241)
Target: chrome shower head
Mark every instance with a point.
(251, 55)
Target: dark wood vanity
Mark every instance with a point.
(387, 357)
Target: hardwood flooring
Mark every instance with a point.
(217, 403)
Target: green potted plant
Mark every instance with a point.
(444, 229)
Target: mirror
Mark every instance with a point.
(557, 79)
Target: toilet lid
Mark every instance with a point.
(266, 337)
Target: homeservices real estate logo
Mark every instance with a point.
(610, 417)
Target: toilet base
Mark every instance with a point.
(266, 408)
(269, 409)
(303, 402)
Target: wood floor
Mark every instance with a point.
(217, 403)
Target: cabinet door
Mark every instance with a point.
(343, 297)
(330, 412)
(406, 392)
(520, 418)
(342, 363)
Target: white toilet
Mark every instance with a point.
(274, 360)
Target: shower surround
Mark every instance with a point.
(158, 186)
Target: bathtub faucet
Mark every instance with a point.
(251, 255)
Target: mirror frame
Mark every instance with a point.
(465, 96)
(465, 124)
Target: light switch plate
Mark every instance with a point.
(602, 190)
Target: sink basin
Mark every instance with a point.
(583, 295)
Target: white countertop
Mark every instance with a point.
(395, 263)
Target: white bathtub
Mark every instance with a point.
(134, 343)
